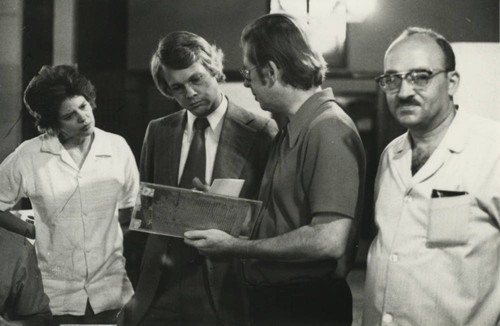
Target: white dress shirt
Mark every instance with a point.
(212, 135)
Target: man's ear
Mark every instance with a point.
(453, 82)
(272, 72)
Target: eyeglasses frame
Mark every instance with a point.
(406, 75)
(245, 72)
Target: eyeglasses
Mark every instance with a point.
(246, 72)
(418, 78)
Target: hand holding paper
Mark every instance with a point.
(172, 211)
(213, 243)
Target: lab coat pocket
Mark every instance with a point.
(449, 220)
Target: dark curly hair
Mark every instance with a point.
(50, 88)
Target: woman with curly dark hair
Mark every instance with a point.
(81, 182)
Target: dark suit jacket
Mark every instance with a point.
(242, 153)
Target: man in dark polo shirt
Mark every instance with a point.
(302, 243)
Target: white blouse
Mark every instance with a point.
(78, 237)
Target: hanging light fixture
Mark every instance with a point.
(327, 22)
(356, 10)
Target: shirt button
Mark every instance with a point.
(407, 199)
(387, 318)
(394, 257)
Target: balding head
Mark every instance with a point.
(446, 50)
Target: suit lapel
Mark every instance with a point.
(172, 143)
(234, 144)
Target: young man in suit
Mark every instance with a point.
(177, 285)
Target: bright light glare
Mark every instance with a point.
(359, 10)
(318, 8)
(326, 19)
(328, 27)
(292, 7)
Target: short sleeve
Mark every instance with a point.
(131, 177)
(12, 187)
(334, 167)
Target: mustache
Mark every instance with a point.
(408, 101)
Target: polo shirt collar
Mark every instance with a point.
(306, 113)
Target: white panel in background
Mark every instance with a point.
(479, 68)
(243, 97)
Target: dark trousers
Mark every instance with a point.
(182, 297)
(325, 302)
(105, 317)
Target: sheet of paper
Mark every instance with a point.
(172, 211)
(227, 187)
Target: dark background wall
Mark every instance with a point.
(114, 39)
(221, 22)
(458, 20)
